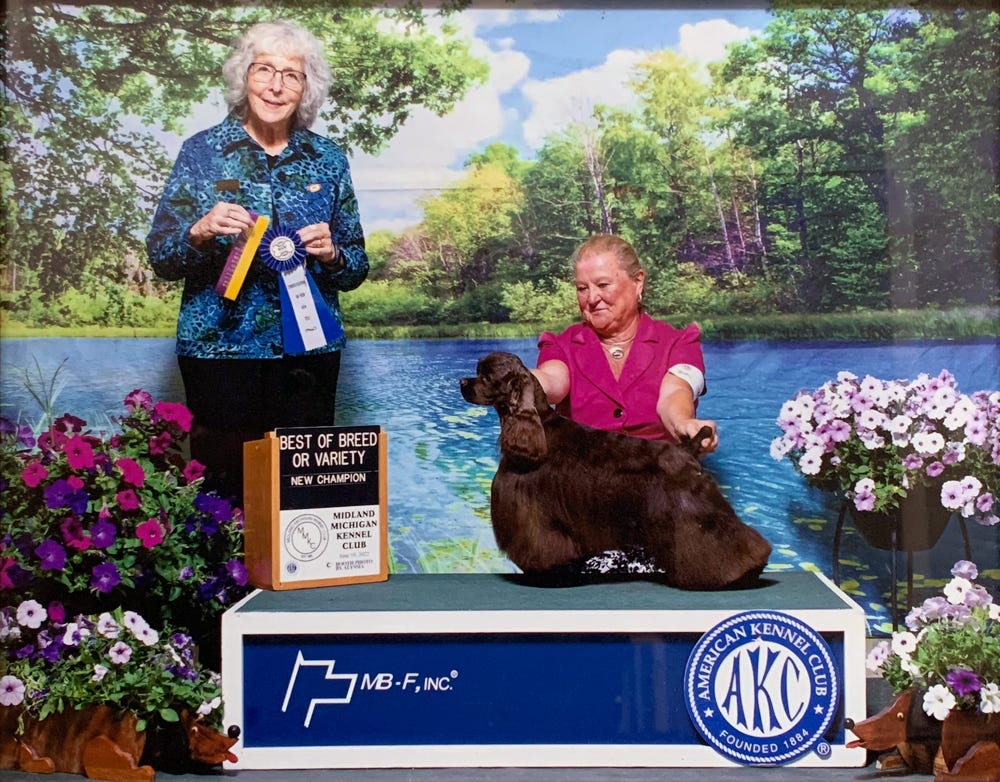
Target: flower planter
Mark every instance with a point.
(96, 742)
(917, 523)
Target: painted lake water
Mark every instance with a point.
(443, 451)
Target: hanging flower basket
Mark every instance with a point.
(916, 525)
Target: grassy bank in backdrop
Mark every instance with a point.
(856, 326)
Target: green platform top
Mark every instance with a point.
(797, 591)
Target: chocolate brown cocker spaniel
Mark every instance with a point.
(564, 492)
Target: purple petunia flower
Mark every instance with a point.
(102, 534)
(51, 554)
(965, 569)
(934, 469)
(105, 577)
(53, 652)
(964, 681)
(56, 494)
(217, 507)
(237, 571)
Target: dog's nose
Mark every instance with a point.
(849, 724)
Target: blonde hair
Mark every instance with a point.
(623, 252)
(287, 39)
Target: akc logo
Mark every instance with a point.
(762, 688)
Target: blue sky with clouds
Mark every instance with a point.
(547, 70)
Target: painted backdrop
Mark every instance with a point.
(823, 172)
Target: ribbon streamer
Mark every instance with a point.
(306, 320)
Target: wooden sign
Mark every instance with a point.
(316, 507)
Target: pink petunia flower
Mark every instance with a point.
(79, 454)
(132, 472)
(160, 444)
(138, 400)
(34, 474)
(127, 500)
(150, 533)
(175, 413)
(193, 470)
(120, 653)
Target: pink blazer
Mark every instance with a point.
(626, 405)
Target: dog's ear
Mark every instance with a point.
(522, 435)
(693, 444)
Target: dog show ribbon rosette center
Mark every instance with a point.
(762, 688)
(306, 320)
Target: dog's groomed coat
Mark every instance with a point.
(564, 492)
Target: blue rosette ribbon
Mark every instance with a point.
(306, 320)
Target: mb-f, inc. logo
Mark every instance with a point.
(762, 688)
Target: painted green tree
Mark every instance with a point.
(88, 90)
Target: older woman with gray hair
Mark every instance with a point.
(259, 219)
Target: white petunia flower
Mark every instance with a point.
(31, 614)
(107, 626)
(904, 643)
(989, 698)
(956, 590)
(207, 707)
(877, 656)
(928, 443)
(938, 701)
(811, 461)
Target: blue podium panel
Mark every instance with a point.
(485, 670)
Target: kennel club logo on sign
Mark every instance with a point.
(762, 688)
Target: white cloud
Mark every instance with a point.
(706, 42)
(556, 103)
(429, 151)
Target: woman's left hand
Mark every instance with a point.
(690, 428)
(318, 241)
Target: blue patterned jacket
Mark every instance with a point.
(310, 182)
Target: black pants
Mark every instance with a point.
(236, 400)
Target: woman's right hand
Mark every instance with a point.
(222, 220)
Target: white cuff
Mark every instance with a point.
(693, 376)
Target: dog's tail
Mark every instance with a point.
(693, 444)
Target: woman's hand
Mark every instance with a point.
(318, 241)
(222, 220)
(676, 409)
(690, 428)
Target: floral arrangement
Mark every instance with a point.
(48, 664)
(951, 649)
(116, 520)
(873, 440)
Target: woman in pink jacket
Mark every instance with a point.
(620, 369)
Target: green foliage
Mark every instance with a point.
(530, 303)
(388, 302)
